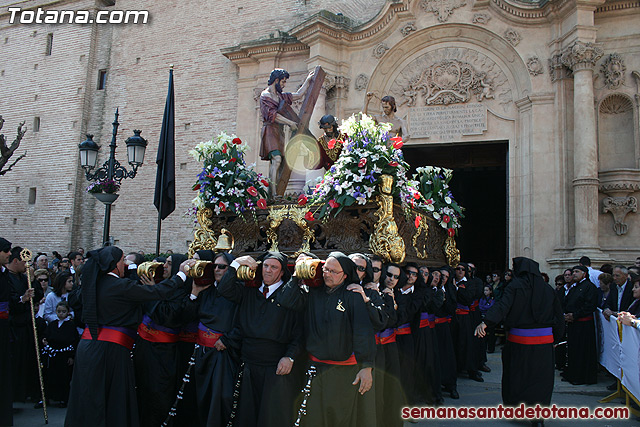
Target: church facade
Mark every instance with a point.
(555, 86)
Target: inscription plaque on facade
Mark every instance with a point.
(447, 122)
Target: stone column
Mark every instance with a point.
(581, 58)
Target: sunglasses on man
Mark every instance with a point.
(395, 276)
(220, 266)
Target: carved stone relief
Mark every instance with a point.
(442, 8)
(380, 50)
(361, 82)
(613, 69)
(557, 70)
(615, 104)
(481, 18)
(512, 36)
(534, 65)
(580, 55)
(451, 76)
(408, 29)
(619, 207)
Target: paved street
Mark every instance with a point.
(471, 394)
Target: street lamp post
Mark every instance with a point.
(111, 170)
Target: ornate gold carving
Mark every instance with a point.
(385, 240)
(307, 269)
(619, 207)
(452, 252)
(148, 269)
(245, 273)
(199, 269)
(276, 215)
(204, 237)
(414, 240)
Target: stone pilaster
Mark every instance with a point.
(581, 58)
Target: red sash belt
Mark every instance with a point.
(403, 329)
(207, 337)
(386, 337)
(4, 310)
(531, 336)
(150, 331)
(443, 320)
(474, 305)
(189, 333)
(586, 318)
(424, 320)
(349, 362)
(117, 335)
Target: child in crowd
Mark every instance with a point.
(60, 342)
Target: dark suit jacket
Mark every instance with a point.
(612, 300)
(627, 296)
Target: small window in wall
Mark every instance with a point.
(49, 44)
(36, 124)
(102, 79)
(32, 196)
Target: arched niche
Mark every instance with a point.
(616, 133)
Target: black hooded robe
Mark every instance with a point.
(532, 313)
(268, 332)
(156, 356)
(6, 401)
(448, 370)
(338, 329)
(103, 385)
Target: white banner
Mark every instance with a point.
(630, 358)
(608, 344)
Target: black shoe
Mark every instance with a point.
(454, 394)
(477, 377)
(613, 387)
(485, 368)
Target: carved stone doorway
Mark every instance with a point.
(480, 185)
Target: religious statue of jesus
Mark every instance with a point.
(272, 100)
(389, 109)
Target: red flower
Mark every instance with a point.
(397, 142)
(222, 206)
(302, 200)
(210, 175)
(417, 222)
(333, 203)
(264, 182)
(252, 190)
(394, 164)
(309, 216)
(233, 159)
(237, 141)
(224, 149)
(362, 163)
(262, 204)
(429, 201)
(446, 219)
(416, 195)
(451, 232)
(196, 187)
(331, 144)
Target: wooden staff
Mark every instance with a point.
(25, 256)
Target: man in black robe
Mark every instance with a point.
(271, 339)
(533, 317)
(340, 342)
(448, 370)
(582, 353)
(216, 368)
(23, 352)
(103, 385)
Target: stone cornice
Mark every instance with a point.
(528, 13)
(340, 29)
(618, 5)
(283, 43)
(619, 180)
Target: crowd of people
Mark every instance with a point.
(350, 347)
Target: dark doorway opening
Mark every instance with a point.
(480, 185)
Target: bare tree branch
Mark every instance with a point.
(7, 151)
(2, 172)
